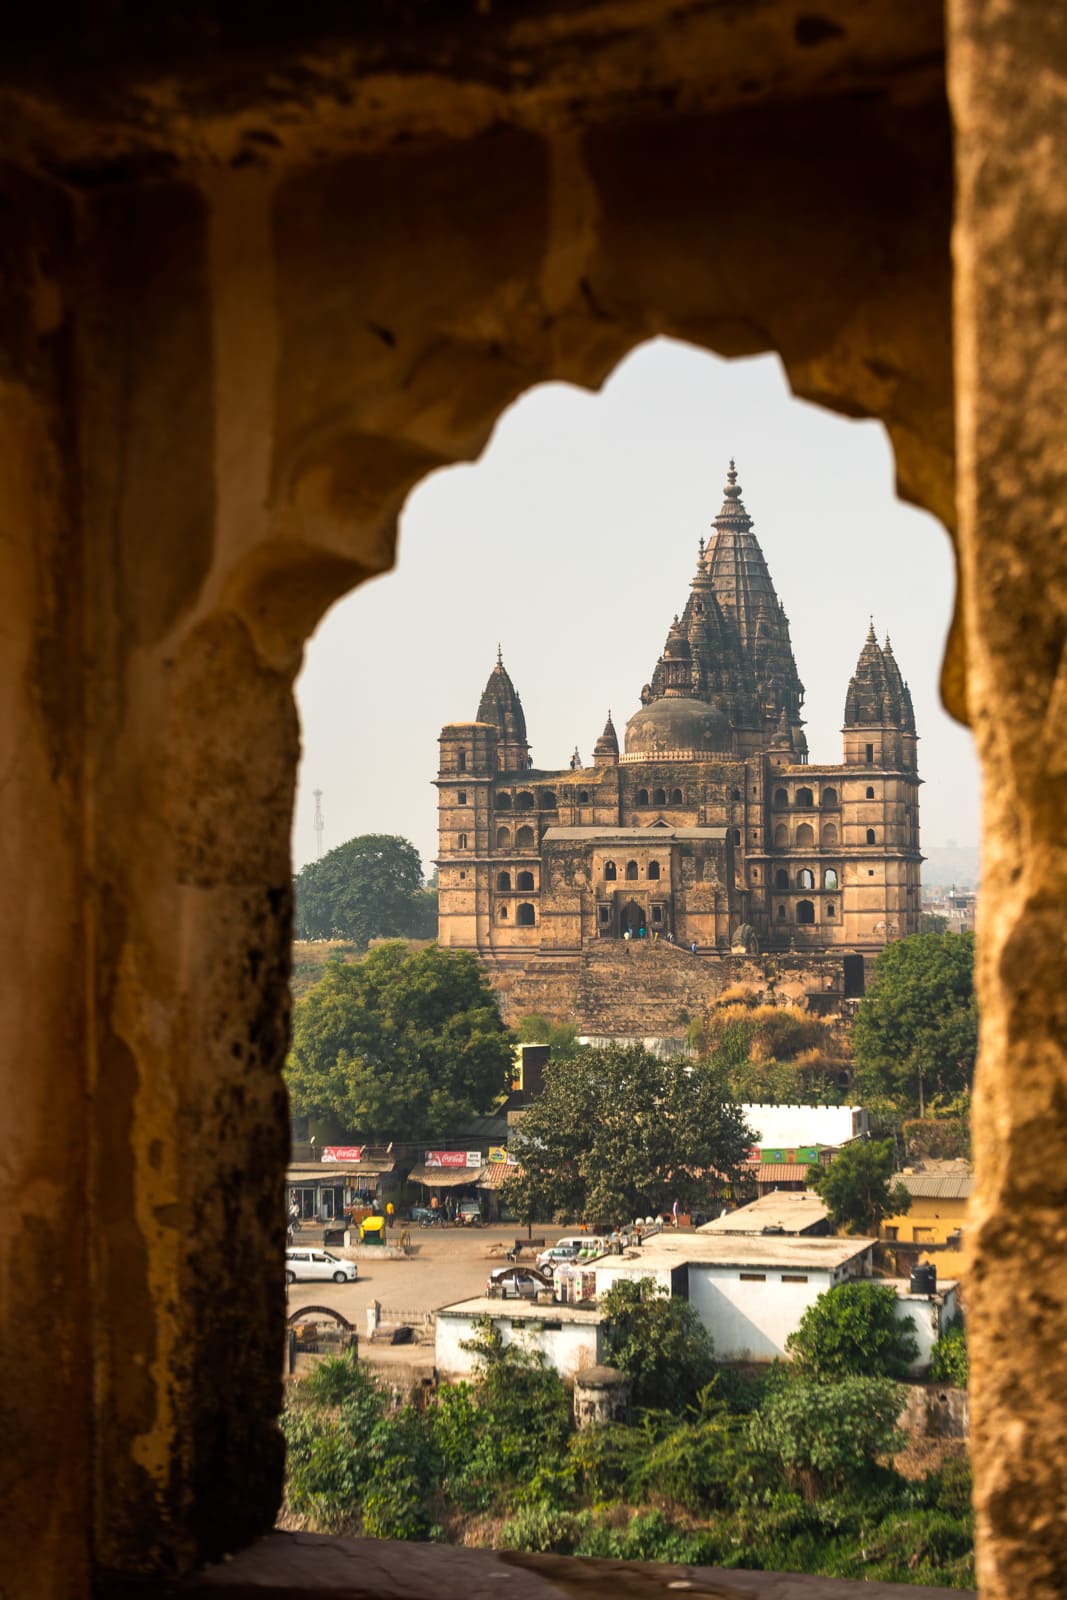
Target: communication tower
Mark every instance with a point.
(320, 822)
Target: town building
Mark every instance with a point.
(707, 826)
(569, 1337)
(750, 1292)
(938, 1212)
(780, 1212)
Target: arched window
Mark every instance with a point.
(525, 880)
(805, 878)
(870, 792)
(780, 798)
(631, 869)
(609, 871)
(829, 878)
(831, 911)
(781, 834)
(659, 798)
(461, 798)
(870, 755)
(502, 802)
(676, 797)
(642, 797)
(805, 833)
(829, 797)
(805, 912)
(781, 879)
(524, 801)
(546, 800)
(502, 914)
(870, 836)
(462, 761)
(524, 838)
(503, 838)
(583, 797)
(461, 842)
(524, 916)
(503, 880)
(653, 869)
(781, 913)
(805, 797)
(735, 794)
(829, 833)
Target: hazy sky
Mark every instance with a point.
(572, 542)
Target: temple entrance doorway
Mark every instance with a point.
(632, 921)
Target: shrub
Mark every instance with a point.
(659, 1341)
(948, 1360)
(853, 1330)
(822, 1436)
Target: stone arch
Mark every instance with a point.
(546, 799)
(611, 872)
(503, 838)
(583, 797)
(871, 836)
(781, 834)
(870, 791)
(525, 915)
(828, 833)
(805, 797)
(525, 839)
(659, 797)
(502, 914)
(829, 878)
(503, 881)
(502, 801)
(524, 800)
(829, 797)
(805, 878)
(805, 834)
(641, 798)
(631, 870)
(676, 797)
(653, 869)
(389, 409)
(805, 912)
(780, 799)
(524, 880)
(781, 879)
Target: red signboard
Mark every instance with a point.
(342, 1152)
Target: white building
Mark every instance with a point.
(749, 1291)
(931, 1313)
(783, 1211)
(569, 1337)
(786, 1127)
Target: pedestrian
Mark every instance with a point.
(674, 1213)
(693, 947)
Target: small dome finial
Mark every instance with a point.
(732, 490)
(872, 637)
(499, 656)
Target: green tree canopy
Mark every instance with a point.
(856, 1189)
(619, 1133)
(404, 1045)
(916, 1032)
(369, 888)
(659, 1341)
(853, 1331)
(824, 1437)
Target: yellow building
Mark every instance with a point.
(938, 1211)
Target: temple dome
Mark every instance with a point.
(676, 725)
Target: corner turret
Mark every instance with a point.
(501, 708)
(606, 749)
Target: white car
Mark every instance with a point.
(557, 1254)
(308, 1263)
(513, 1283)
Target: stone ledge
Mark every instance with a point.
(308, 1566)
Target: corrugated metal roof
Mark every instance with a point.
(936, 1185)
(786, 1210)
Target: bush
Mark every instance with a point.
(853, 1330)
(659, 1341)
(948, 1360)
(822, 1436)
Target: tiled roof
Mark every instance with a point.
(494, 1173)
(778, 1172)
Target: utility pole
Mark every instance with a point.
(320, 823)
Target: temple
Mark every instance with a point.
(710, 827)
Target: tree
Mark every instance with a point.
(403, 1045)
(853, 1331)
(619, 1133)
(916, 1032)
(659, 1341)
(369, 888)
(856, 1190)
(948, 1359)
